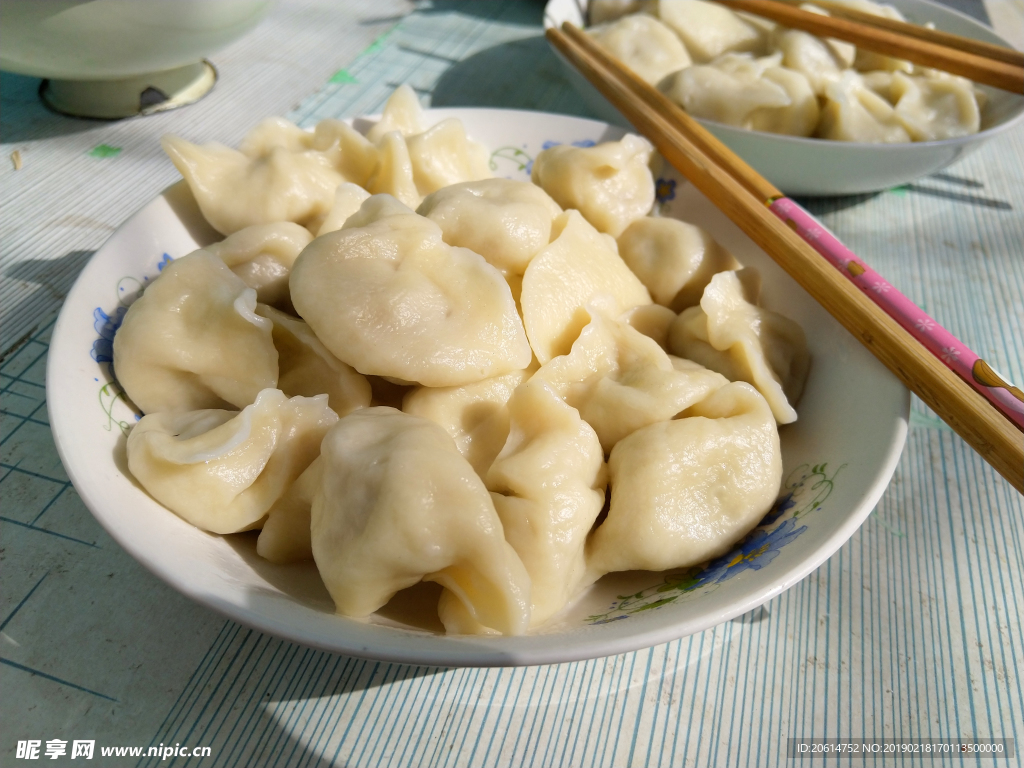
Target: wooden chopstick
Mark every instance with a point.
(983, 427)
(1000, 74)
(948, 39)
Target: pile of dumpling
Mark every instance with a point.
(510, 391)
(746, 71)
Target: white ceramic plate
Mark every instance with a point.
(800, 166)
(838, 458)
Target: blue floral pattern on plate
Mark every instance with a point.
(523, 161)
(106, 324)
(664, 190)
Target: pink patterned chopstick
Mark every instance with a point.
(940, 342)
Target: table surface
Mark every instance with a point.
(911, 630)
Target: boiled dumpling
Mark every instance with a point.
(610, 184)
(811, 56)
(235, 191)
(730, 334)
(756, 94)
(507, 222)
(643, 44)
(579, 267)
(684, 491)
(620, 380)
(308, 368)
(402, 113)
(475, 415)
(273, 133)
(852, 112)
(868, 61)
(880, 82)
(351, 153)
(285, 536)
(415, 160)
(928, 73)
(443, 155)
(193, 340)
(708, 30)
(376, 209)
(397, 504)
(387, 296)
(457, 618)
(932, 109)
(675, 260)
(348, 198)
(222, 471)
(393, 174)
(348, 151)
(548, 488)
(262, 255)
(411, 168)
(820, 60)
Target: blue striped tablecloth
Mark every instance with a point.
(912, 630)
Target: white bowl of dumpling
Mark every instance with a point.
(853, 110)
(836, 458)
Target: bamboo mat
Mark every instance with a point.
(912, 630)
